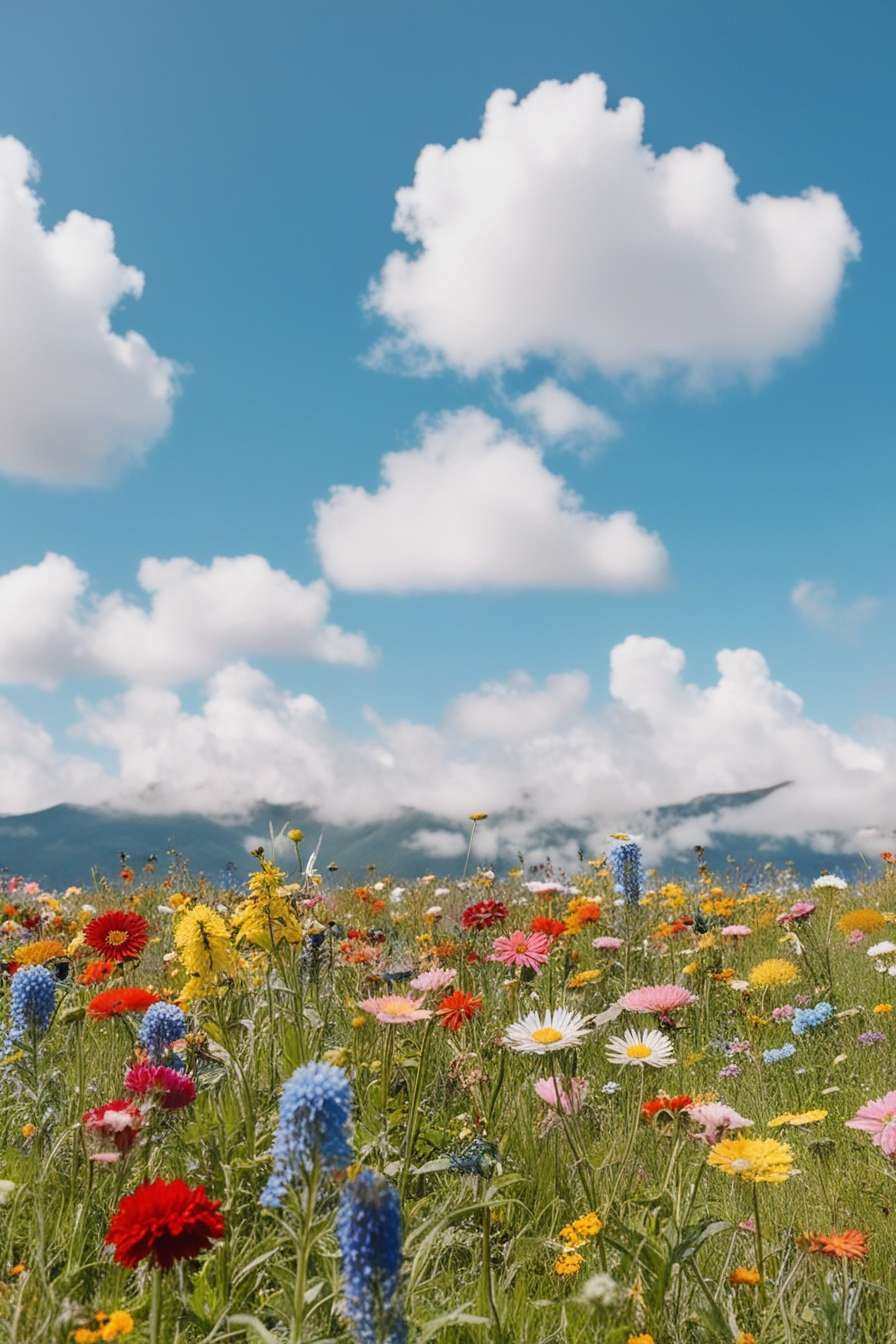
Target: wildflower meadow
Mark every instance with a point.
(532, 1106)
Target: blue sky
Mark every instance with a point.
(248, 163)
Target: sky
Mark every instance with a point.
(448, 406)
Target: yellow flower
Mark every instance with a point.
(28, 1130)
(691, 967)
(577, 1233)
(583, 978)
(742, 1275)
(863, 920)
(267, 917)
(295, 835)
(746, 1338)
(569, 1263)
(338, 1056)
(640, 1339)
(202, 939)
(117, 1325)
(39, 953)
(359, 1020)
(755, 1160)
(801, 1118)
(882, 1008)
(478, 816)
(775, 971)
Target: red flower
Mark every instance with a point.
(544, 924)
(458, 1008)
(118, 1122)
(164, 1221)
(173, 1089)
(668, 1104)
(483, 914)
(121, 999)
(95, 972)
(118, 934)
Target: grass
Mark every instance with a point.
(480, 1245)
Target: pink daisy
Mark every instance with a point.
(567, 1098)
(717, 1119)
(607, 944)
(661, 999)
(736, 931)
(433, 981)
(878, 1118)
(522, 949)
(395, 1010)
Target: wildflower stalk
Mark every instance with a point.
(757, 1232)
(388, 1052)
(488, 1285)
(303, 1251)
(411, 1132)
(155, 1307)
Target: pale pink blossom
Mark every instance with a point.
(560, 1095)
(522, 949)
(395, 1010)
(661, 999)
(799, 910)
(604, 944)
(736, 931)
(717, 1119)
(433, 981)
(878, 1118)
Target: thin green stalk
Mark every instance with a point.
(411, 1131)
(303, 1251)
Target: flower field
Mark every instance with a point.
(531, 1107)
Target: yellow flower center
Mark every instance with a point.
(741, 1164)
(547, 1035)
(116, 937)
(396, 1009)
(638, 1051)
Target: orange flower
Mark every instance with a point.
(668, 1104)
(95, 972)
(743, 1276)
(39, 953)
(849, 1245)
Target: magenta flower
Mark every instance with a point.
(661, 999)
(717, 1119)
(736, 931)
(433, 981)
(567, 1098)
(395, 1010)
(522, 949)
(607, 944)
(878, 1118)
(169, 1087)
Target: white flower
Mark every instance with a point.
(603, 1290)
(434, 912)
(740, 985)
(611, 1088)
(88, 909)
(881, 949)
(6, 1190)
(830, 880)
(441, 891)
(559, 1029)
(641, 1047)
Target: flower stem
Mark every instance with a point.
(155, 1307)
(411, 1132)
(303, 1251)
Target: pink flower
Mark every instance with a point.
(395, 1010)
(522, 949)
(855, 937)
(799, 910)
(568, 1098)
(171, 1088)
(717, 1119)
(736, 931)
(783, 1013)
(878, 1118)
(607, 944)
(433, 981)
(117, 1122)
(662, 999)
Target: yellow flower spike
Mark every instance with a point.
(570, 1263)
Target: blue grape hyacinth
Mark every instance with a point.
(162, 1025)
(627, 869)
(32, 1004)
(775, 1056)
(315, 1125)
(369, 1232)
(807, 1019)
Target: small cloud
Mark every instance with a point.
(558, 414)
(819, 604)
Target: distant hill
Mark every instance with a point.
(64, 845)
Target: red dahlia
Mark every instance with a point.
(164, 1221)
(121, 999)
(483, 914)
(458, 1008)
(172, 1088)
(118, 934)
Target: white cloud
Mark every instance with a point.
(660, 739)
(559, 414)
(518, 707)
(474, 507)
(197, 617)
(820, 605)
(77, 400)
(559, 232)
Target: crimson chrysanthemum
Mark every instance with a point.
(457, 1008)
(118, 934)
(171, 1088)
(164, 1221)
(121, 999)
(483, 914)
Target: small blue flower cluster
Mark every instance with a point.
(315, 1123)
(807, 1019)
(368, 1229)
(32, 1003)
(782, 1052)
(162, 1025)
(627, 870)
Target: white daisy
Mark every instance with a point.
(641, 1047)
(558, 1029)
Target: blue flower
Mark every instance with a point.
(368, 1229)
(162, 1025)
(315, 1123)
(782, 1052)
(627, 870)
(807, 1019)
(33, 1001)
